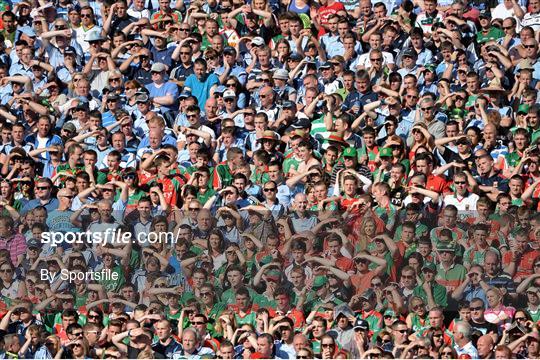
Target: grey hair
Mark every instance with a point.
(464, 328)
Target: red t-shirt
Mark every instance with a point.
(325, 12)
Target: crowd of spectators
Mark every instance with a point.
(295, 179)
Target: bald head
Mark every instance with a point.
(485, 346)
(266, 91)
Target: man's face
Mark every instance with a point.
(227, 352)
(264, 347)
(400, 334)
(234, 277)
(430, 6)
(9, 23)
(408, 279)
(477, 311)
(435, 319)
(318, 329)
(189, 341)
(362, 85)
(163, 330)
(297, 278)
(199, 70)
(375, 41)
(484, 165)
(242, 301)
(491, 265)
(332, 25)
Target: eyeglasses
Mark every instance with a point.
(327, 345)
(228, 100)
(198, 323)
(183, 29)
(191, 116)
(206, 294)
(376, 284)
(106, 190)
(185, 53)
(269, 189)
(42, 187)
(460, 182)
(194, 209)
(529, 46)
(507, 27)
(412, 96)
(375, 59)
(78, 334)
(129, 176)
(231, 85)
(437, 335)
(114, 79)
(60, 27)
(112, 100)
(402, 331)
(447, 353)
(303, 357)
(155, 72)
(418, 306)
(6, 271)
(263, 96)
(93, 316)
(477, 308)
(521, 319)
(86, 15)
(429, 108)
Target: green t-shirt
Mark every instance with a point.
(114, 285)
(438, 291)
(494, 33)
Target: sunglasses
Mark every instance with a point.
(460, 182)
(86, 15)
(477, 308)
(429, 108)
(42, 188)
(269, 189)
(198, 323)
(129, 176)
(529, 46)
(418, 307)
(447, 353)
(327, 345)
(194, 209)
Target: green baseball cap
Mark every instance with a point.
(457, 114)
(430, 266)
(319, 282)
(350, 152)
(430, 67)
(523, 108)
(389, 312)
(446, 247)
(385, 152)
